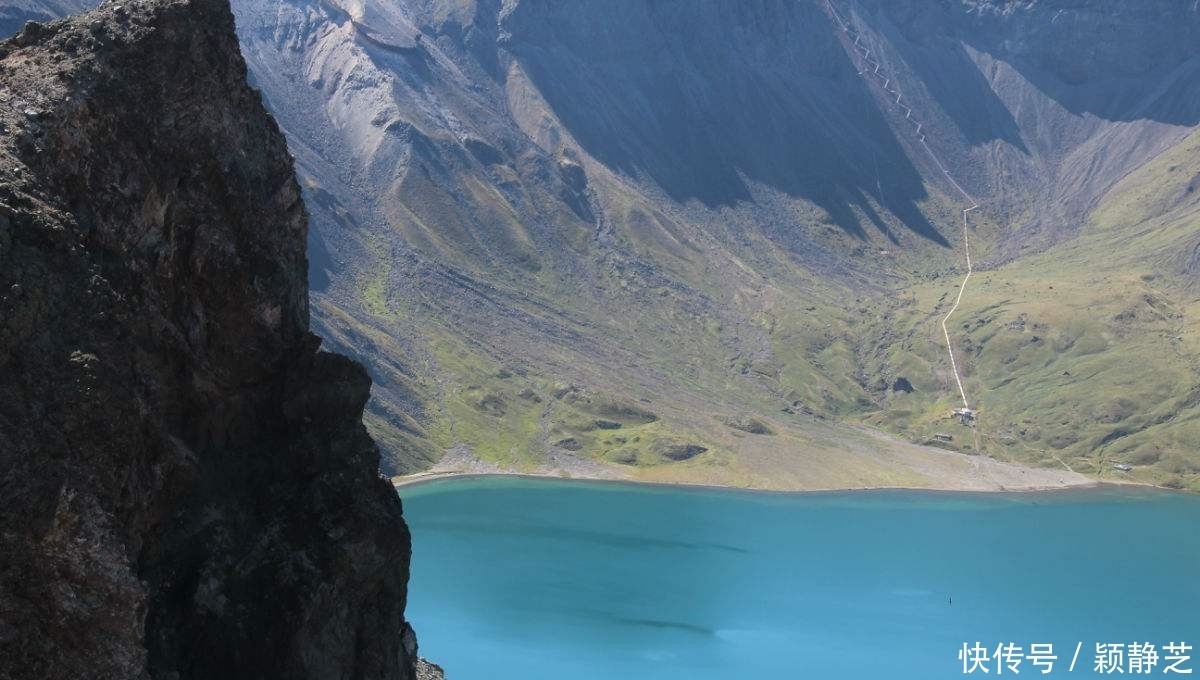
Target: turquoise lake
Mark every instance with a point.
(528, 579)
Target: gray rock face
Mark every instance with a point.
(186, 489)
(1042, 106)
(709, 99)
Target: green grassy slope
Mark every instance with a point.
(1087, 354)
(612, 240)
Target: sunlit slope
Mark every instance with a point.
(527, 216)
(1119, 308)
(1087, 354)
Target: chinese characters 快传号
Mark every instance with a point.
(1109, 657)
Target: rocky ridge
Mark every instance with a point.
(186, 488)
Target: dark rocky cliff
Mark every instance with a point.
(186, 489)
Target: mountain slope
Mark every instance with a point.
(14, 13)
(530, 217)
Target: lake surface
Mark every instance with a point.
(539, 579)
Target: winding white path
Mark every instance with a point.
(857, 46)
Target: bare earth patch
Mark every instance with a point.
(846, 459)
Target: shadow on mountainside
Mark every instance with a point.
(947, 72)
(706, 98)
(1117, 61)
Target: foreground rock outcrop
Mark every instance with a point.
(186, 488)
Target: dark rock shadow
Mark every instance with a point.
(918, 34)
(704, 97)
(1118, 61)
(324, 209)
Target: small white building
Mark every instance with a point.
(964, 415)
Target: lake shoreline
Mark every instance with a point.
(423, 478)
(904, 468)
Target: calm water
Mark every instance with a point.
(537, 579)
